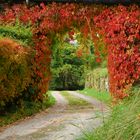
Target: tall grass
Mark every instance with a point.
(124, 122)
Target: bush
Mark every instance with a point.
(15, 72)
(17, 32)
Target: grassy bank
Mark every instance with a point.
(124, 122)
(102, 96)
(28, 109)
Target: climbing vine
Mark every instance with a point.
(121, 28)
(117, 26)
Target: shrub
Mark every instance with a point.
(17, 32)
(15, 72)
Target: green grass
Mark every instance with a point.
(73, 101)
(124, 122)
(30, 108)
(102, 96)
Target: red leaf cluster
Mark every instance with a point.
(121, 27)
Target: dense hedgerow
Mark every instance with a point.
(15, 70)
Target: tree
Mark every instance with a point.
(67, 69)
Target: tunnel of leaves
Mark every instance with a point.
(117, 26)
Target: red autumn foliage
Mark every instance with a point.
(45, 22)
(15, 74)
(121, 28)
(118, 25)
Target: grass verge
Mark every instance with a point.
(102, 96)
(74, 101)
(28, 109)
(124, 122)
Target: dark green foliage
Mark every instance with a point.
(67, 69)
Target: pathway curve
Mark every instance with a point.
(57, 122)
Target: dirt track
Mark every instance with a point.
(59, 122)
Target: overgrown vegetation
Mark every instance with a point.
(120, 27)
(28, 108)
(124, 122)
(100, 95)
(97, 79)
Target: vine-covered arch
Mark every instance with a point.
(118, 26)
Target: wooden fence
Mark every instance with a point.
(96, 80)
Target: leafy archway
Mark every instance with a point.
(118, 27)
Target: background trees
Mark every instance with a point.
(66, 67)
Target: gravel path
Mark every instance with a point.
(56, 123)
(61, 102)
